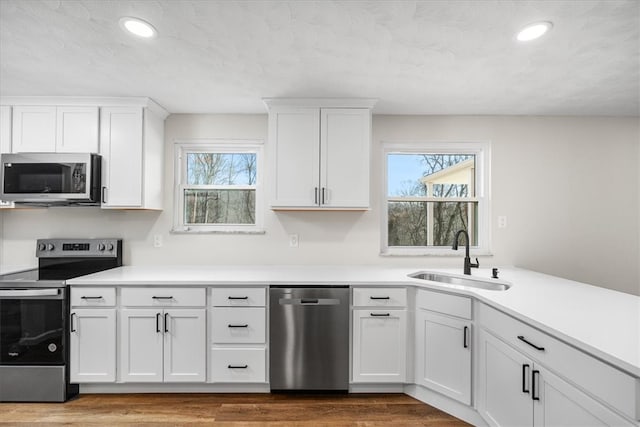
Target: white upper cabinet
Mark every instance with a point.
(50, 129)
(131, 145)
(320, 154)
(77, 130)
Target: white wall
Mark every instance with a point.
(587, 229)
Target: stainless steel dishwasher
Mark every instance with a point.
(309, 338)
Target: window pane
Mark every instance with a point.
(221, 168)
(434, 175)
(430, 223)
(219, 206)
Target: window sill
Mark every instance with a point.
(254, 231)
(434, 253)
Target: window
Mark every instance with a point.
(218, 186)
(432, 190)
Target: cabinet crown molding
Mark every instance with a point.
(320, 102)
(79, 101)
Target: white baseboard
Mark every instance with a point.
(376, 388)
(174, 388)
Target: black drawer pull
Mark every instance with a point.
(380, 314)
(238, 366)
(155, 297)
(86, 297)
(237, 297)
(525, 368)
(379, 298)
(533, 385)
(238, 326)
(523, 339)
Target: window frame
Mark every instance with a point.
(482, 151)
(223, 146)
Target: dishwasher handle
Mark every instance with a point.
(309, 301)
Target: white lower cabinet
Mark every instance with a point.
(163, 345)
(515, 391)
(93, 345)
(238, 336)
(379, 345)
(443, 354)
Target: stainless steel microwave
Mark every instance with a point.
(51, 178)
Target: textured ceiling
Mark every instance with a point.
(416, 57)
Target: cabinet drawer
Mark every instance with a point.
(597, 378)
(93, 297)
(231, 325)
(379, 297)
(163, 297)
(238, 297)
(444, 303)
(238, 365)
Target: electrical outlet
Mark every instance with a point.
(293, 240)
(157, 240)
(502, 222)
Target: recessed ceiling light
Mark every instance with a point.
(533, 31)
(138, 27)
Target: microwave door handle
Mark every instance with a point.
(30, 293)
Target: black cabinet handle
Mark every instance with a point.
(380, 314)
(465, 331)
(238, 366)
(238, 326)
(166, 322)
(104, 194)
(379, 298)
(323, 201)
(158, 322)
(237, 297)
(523, 339)
(73, 329)
(315, 197)
(525, 368)
(86, 297)
(155, 297)
(533, 385)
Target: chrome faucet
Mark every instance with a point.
(467, 261)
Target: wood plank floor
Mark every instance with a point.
(362, 410)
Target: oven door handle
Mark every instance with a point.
(26, 293)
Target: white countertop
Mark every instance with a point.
(600, 321)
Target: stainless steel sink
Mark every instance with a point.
(459, 281)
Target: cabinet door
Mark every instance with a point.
(141, 337)
(379, 342)
(185, 345)
(504, 386)
(77, 130)
(295, 139)
(561, 404)
(444, 355)
(5, 129)
(345, 141)
(34, 129)
(121, 150)
(93, 345)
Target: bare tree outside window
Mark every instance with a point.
(429, 198)
(220, 188)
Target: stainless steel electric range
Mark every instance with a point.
(34, 318)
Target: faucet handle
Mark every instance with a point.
(476, 265)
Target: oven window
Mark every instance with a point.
(31, 332)
(54, 178)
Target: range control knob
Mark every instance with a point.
(110, 247)
(101, 247)
(50, 247)
(42, 246)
